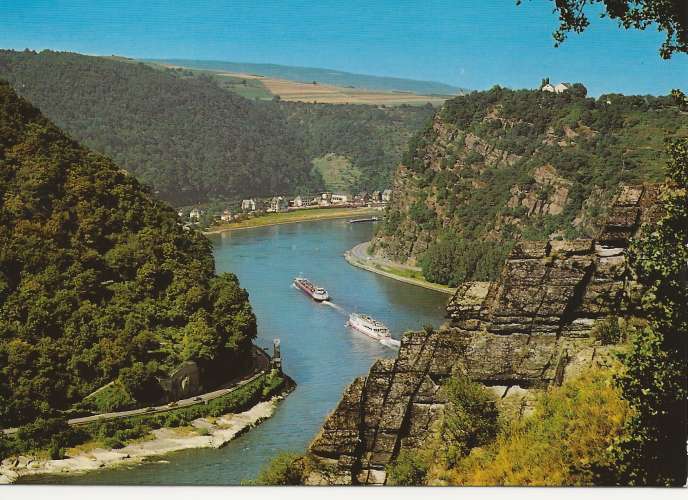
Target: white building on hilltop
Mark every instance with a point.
(557, 89)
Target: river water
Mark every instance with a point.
(319, 352)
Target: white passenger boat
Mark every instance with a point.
(372, 328)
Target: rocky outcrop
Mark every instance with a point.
(547, 195)
(526, 330)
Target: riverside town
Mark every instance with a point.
(218, 214)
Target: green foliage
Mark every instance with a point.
(652, 451)
(409, 469)
(453, 260)
(52, 434)
(112, 397)
(286, 469)
(471, 418)
(373, 138)
(608, 331)
(140, 381)
(97, 278)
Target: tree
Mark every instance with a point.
(670, 17)
(471, 418)
(652, 451)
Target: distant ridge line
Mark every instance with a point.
(321, 75)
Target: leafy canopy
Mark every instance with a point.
(98, 279)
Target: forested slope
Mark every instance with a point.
(186, 137)
(192, 140)
(98, 279)
(498, 166)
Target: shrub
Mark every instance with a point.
(409, 469)
(286, 469)
(608, 331)
(471, 418)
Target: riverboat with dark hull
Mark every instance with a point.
(318, 294)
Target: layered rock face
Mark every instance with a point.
(525, 330)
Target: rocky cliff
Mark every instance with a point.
(530, 328)
(503, 166)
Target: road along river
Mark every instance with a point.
(320, 353)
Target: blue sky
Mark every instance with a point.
(468, 43)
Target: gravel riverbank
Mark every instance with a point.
(206, 433)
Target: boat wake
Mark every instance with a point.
(393, 343)
(334, 306)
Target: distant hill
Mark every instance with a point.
(98, 278)
(320, 75)
(193, 139)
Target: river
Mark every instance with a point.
(319, 351)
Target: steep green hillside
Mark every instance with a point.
(187, 137)
(503, 165)
(97, 278)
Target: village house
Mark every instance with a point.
(325, 200)
(195, 213)
(362, 197)
(376, 197)
(340, 198)
(278, 204)
(386, 196)
(226, 216)
(248, 205)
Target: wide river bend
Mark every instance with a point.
(319, 351)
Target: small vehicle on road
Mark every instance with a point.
(150, 408)
(198, 398)
(172, 404)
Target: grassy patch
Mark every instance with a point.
(337, 172)
(561, 444)
(112, 397)
(295, 216)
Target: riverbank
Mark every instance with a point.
(358, 256)
(276, 219)
(209, 432)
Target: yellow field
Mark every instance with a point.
(329, 94)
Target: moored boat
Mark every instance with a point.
(316, 293)
(367, 219)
